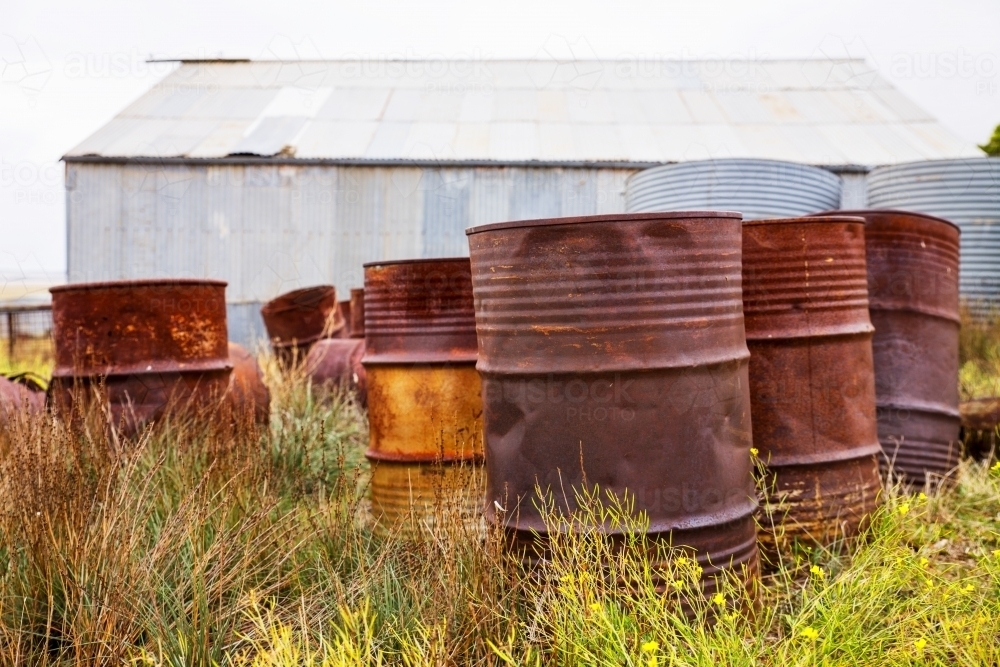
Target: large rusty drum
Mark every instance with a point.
(612, 353)
(812, 381)
(913, 281)
(424, 397)
(296, 320)
(149, 346)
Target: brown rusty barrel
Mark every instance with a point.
(18, 399)
(913, 295)
(424, 399)
(336, 363)
(247, 392)
(812, 382)
(296, 320)
(612, 353)
(357, 322)
(150, 346)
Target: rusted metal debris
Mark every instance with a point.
(336, 363)
(913, 266)
(247, 391)
(612, 353)
(19, 398)
(424, 401)
(980, 419)
(296, 320)
(812, 382)
(149, 347)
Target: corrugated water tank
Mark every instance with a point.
(756, 188)
(965, 192)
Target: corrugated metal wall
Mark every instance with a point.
(269, 229)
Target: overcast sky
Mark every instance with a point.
(944, 55)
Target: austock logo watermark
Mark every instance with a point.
(24, 64)
(600, 399)
(733, 72)
(32, 183)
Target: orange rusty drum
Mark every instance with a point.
(424, 396)
(148, 347)
(296, 320)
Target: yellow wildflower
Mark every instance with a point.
(809, 632)
(719, 599)
(922, 496)
(649, 647)
(996, 553)
(920, 645)
(903, 509)
(968, 588)
(595, 607)
(754, 452)
(924, 562)
(996, 467)
(682, 561)
(817, 572)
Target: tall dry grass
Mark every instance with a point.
(223, 544)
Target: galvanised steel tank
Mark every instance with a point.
(296, 320)
(965, 192)
(612, 353)
(756, 188)
(812, 378)
(913, 293)
(150, 347)
(424, 397)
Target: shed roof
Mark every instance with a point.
(823, 112)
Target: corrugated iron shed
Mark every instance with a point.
(524, 112)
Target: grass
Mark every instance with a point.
(979, 357)
(228, 545)
(36, 355)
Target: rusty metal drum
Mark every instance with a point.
(296, 320)
(612, 353)
(336, 364)
(150, 347)
(249, 396)
(812, 380)
(913, 285)
(424, 396)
